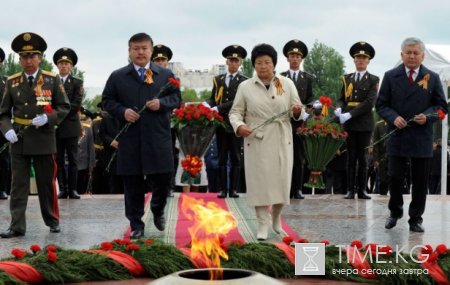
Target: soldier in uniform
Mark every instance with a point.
(35, 101)
(5, 171)
(222, 97)
(68, 132)
(359, 91)
(295, 51)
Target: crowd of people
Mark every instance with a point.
(42, 119)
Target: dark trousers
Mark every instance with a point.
(228, 145)
(356, 146)
(134, 188)
(5, 172)
(297, 169)
(67, 181)
(45, 173)
(420, 170)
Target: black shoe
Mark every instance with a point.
(55, 229)
(137, 234)
(350, 195)
(233, 194)
(74, 194)
(222, 195)
(363, 195)
(390, 223)
(160, 222)
(3, 195)
(10, 234)
(63, 195)
(418, 228)
(170, 194)
(299, 195)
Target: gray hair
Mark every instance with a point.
(412, 42)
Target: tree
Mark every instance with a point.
(77, 73)
(10, 66)
(91, 104)
(204, 95)
(189, 95)
(247, 67)
(327, 67)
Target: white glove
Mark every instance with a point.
(215, 109)
(305, 116)
(206, 104)
(344, 117)
(338, 112)
(40, 120)
(11, 136)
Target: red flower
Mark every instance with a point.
(432, 258)
(174, 82)
(441, 249)
(18, 253)
(326, 101)
(325, 241)
(148, 241)
(35, 248)
(106, 245)
(303, 240)
(357, 243)
(48, 109)
(427, 249)
(287, 240)
(51, 256)
(132, 247)
(441, 114)
(52, 248)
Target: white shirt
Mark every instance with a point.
(416, 72)
(361, 74)
(34, 75)
(294, 72)
(137, 67)
(63, 78)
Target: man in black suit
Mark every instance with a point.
(5, 171)
(222, 97)
(359, 91)
(409, 99)
(295, 51)
(68, 132)
(146, 147)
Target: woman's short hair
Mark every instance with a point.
(264, 49)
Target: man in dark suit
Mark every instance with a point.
(36, 101)
(409, 99)
(68, 132)
(222, 97)
(5, 172)
(146, 147)
(295, 51)
(359, 91)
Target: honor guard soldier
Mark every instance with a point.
(295, 51)
(34, 102)
(68, 132)
(222, 97)
(359, 91)
(5, 172)
(161, 55)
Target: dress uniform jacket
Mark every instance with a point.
(358, 98)
(303, 83)
(397, 97)
(71, 127)
(18, 94)
(146, 147)
(223, 96)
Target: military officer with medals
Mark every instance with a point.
(359, 91)
(222, 96)
(36, 102)
(5, 172)
(295, 51)
(68, 132)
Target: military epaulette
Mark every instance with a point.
(380, 121)
(243, 76)
(97, 119)
(48, 73)
(15, 75)
(86, 125)
(308, 75)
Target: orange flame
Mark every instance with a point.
(210, 223)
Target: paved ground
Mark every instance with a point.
(98, 218)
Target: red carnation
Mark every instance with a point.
(52, 248)
(427, 249)
(51, 256)
(148, 241)
(132, 247)
(48, 109)
(303, 240)
(35, 248)
(357, 243)
(432, 258)
(174, 82)
(441, 249)
(18, 253)
(325, 241)
(106, 245)
(441, 114)
(287, 240)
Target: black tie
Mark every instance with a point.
(358, 77)
(294, 76)
(230, 78)
(30, 80)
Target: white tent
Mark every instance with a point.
(437, 58)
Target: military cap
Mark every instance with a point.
(161, 51)
(65, 54)
(234, 51)
(28, 43)
(2, 55)
(362, 48)
(295, 47)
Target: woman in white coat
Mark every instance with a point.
(268, 151)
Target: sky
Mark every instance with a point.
(198, 30)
